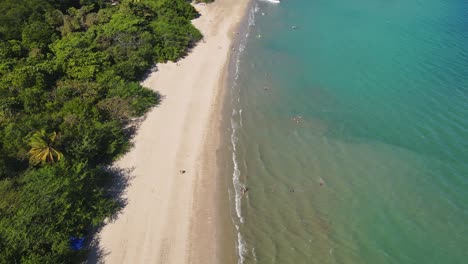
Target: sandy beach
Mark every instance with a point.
(169, 216)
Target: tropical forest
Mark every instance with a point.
(70, 102)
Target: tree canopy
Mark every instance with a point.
(69, 95)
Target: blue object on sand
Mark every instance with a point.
(77, 242)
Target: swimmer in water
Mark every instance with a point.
(244, 189)
(297, 119)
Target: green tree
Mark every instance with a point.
(37, 35)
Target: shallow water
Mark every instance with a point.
(375, 170)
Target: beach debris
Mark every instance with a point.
(182, 171)
(244, 189)
(266, 88)
(77, 243)
(259, 36)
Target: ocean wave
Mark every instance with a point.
(271, 1)
(241, 246)
(237, 187)
(251, 20)
(240, 118)
(241, 50)
(236, 172)
(236, 123)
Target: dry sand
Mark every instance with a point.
(157, 224)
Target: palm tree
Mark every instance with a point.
(42, 149)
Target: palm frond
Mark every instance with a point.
(42, 150)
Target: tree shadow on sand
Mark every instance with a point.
(121, 179)
(118, 181)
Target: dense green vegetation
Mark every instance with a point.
(69, 72)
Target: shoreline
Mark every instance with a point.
(218, 155)
(174, 217)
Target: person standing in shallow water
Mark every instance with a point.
(244, 189)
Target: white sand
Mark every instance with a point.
(155, 226)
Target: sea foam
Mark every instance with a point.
(271, 1)
(236, 123)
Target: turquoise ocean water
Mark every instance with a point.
(376, 170)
